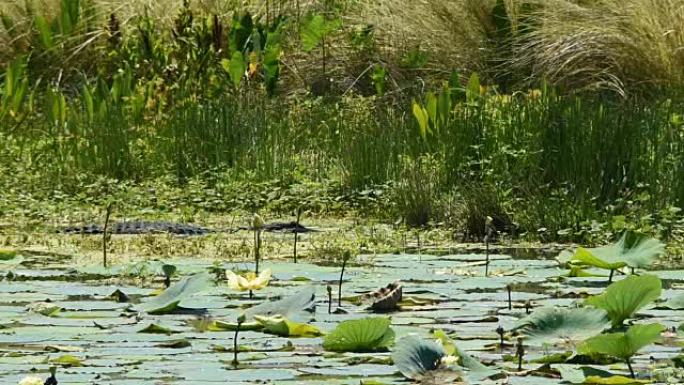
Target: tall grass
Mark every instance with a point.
(606, 44)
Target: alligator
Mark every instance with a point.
(157, 227)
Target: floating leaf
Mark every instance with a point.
(67, 361)
(675, 303)
(553, 324)
(288, 307)
(157, 329)
(590, 375)
(361, 335)
(169, 299)
(624, 298)
(415, 357)
(623, 345)
(286, 328)
(45, 308)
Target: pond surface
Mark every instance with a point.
(96, 339)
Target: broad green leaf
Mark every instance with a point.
(624, 298)
(554, 324)
(314, 28)
(285, 328)
(237, 68)
(312, 31)
(67, 360)
(415, 357)
(588, 258)
(44, 31)
(633, 250)
(473, 90)
(169, 299)
(623, 345)
(421, 116)
(431, 108)
(362, 335)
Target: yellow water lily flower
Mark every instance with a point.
(249, 281)
(449, 360)
(31, 381)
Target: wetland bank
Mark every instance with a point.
(341, 192)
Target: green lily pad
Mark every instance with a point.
(360, 335)
(169, 299)
(554, 324)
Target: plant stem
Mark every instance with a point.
(235, 345)
(339, 292)
(104, 234)
(520, 351)
(629, 365)
(296, 234)
(486, 256)
(610, 277)
(329, 299)
(510, 302)
(257, 246)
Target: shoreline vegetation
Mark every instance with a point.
(561, 120)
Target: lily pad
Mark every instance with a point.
(554, 324)
(168, 300)
(361, 335)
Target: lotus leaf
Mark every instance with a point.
(168, 300)
(361, 335)
(632, 249)
(624, 298)
(285, 328)
(623, 345)
(553, 324)
(415, 357)
(289, 307)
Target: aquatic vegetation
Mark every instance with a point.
(632, 250)
(169, 271)
(287, 307)
(624, 298)
(7, 254)
(624, 345)
(248, 282)
(362, 335)
(285, 328)
(169, 299)
(415, 357)
(549, 325)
